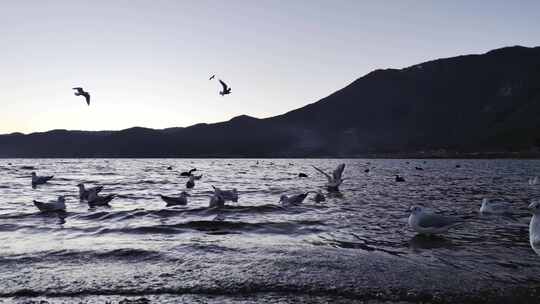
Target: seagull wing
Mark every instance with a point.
(428, 220)
(223, 84)
(325, 174)
(87, 97)
(338, 172)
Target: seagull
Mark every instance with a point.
(216, 201)
(95, 200)
(296, 199)
(58, 205)
(226, 89)
(191, 182)
(494, 207)
(425, 222)
(174, 201)
(399, 178)
(188, 173)
(534, 227)
(335, 180)
(533, 180)
(83, 193)
(39, 180)
(81, 92)
(227, 195)
(212, 77)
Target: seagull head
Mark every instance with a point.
(416, 209)
(535, 207)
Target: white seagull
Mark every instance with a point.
(227, 195)
(83, 192)
(534, 227)
(176, 201)
(425, 222)
(39, 180)
(495, 207)
(296, 199)
(335, 180)
(58, 205)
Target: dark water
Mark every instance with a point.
(356, 246)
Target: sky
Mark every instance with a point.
(147, 63)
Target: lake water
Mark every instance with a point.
(355, 246)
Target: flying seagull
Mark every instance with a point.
(212, 77)
(226, 89)
(81, 92)
(334, 180)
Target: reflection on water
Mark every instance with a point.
(368, 215)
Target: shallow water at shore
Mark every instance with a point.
(356, 245)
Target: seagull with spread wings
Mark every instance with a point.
(81, 92)
(335, 179)
(226, 89)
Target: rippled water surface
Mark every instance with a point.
(356, 245)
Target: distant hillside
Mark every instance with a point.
(466, 104)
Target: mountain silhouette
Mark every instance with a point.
(488, 103)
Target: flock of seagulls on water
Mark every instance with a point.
(422, 220)
(226, 90)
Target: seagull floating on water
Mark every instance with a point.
(296, 199)
(176, 201)
(58, 205)
(191, 182)
(335, 180)
(40, 180)
(425, 222)
(83, 192)
(95, 200)
(226, 89)
(534, 227)
(494, 207)
(227, 195)
(81, 92)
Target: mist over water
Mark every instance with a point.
(355, 245)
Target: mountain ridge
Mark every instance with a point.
(464, 104)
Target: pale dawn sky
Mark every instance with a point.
(147, 63)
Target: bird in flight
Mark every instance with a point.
(226, 89)
(212, 77)
(81, 92)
